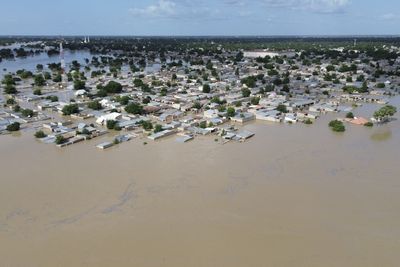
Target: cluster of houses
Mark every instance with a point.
(175, 100)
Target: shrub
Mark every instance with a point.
(60, 140)
(27, 113)
(158, 128)
(281, 108)
(368, 124)
(13, 127)
(203, 124)
(350, 115)
(308, 121)
(111, 124)
(10, 89)
(40, 134)
(52, 98)
(147, 125)
(337, 126)
(37, 92)
(11, 101)
(230, 112)
(95, 105)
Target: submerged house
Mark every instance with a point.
(108, 117)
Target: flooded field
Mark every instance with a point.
(294, 195)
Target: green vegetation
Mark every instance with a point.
(308, 121)
(11, 101)
(113, 125)
(113, 87)
(27, 113)
(39, 80)
(123, 100)
(37, 92)
(350, 115)
(158, 128)
(16, 108)
(353, 89)
(206, 88)
(337, 126)
(255, 101)
(246, 92)
(282, 108)
(79, 84)
(10, 89)
(385, 112)
(250, 81)
(230, 112)
(196, 105)
(95, 105)
(134, 108)
(40, 134)
(13, 127)
(203, 124)
(70, 109)
(368, 124)
(52, 98)
(147, 125)
(60, 140)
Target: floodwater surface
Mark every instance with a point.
(293, 195)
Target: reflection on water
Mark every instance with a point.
(382, 134)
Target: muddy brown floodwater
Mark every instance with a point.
(294, 195)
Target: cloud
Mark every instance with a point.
(163, 8)
(320, 6)
(390, 16)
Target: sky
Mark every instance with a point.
(200, 17)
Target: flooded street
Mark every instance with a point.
(294, 195)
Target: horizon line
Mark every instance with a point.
(212, 35)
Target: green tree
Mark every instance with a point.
(350, 115)
(246, 92)
(230, 112)
(37, 92)
(39, 80)
(337, 126)
(147, 125)
(203, 124)
(206, 88)
(13, 127)
(60, 140)
(95, 105)
(40, 134)
(27, 113)
(158, 128)
(111, 124)
(196, 105)
(52, 98)
(11, 101)
(10, 89)
(79, 84)
(70, 109)
(134, 108)
(255, 101)
(281, 108)
(113, 87)
(385, 112)
(123, 100)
